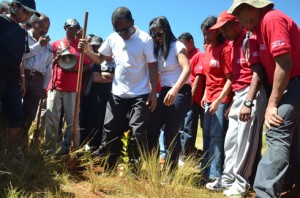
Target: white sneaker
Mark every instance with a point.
(181, 161)
(233, 192)
(218, 185)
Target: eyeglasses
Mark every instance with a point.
(124, 30)
(157, 35)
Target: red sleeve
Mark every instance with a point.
(254, 52)
(277, 37)
(198, 67)
(225, 60)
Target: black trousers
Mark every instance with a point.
(122, 114)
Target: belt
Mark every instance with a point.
(33, 73)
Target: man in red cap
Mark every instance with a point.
(247, 110)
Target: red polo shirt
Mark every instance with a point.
(278, 34)
(61, 79)
(241, 69)
(195, 59)
(217, 63)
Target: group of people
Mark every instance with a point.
(155, 82)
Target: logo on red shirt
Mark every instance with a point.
(262, 47)
(214, 63)
(278, 43)
(255, 54)
(241, 61)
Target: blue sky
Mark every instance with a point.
(184, 15)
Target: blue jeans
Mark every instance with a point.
(283, 146)
(171, 118)
(190, 128)
(215, 127)
(162, 147)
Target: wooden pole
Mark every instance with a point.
(78, 89)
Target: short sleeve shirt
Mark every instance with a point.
(170, 69)
(196, 59)
(217, 63)
(131, 57)
(61, 79)
(241, 67)
(278, 34)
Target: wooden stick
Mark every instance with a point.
(78, 89)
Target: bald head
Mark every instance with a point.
(121, 13)
(35, 18)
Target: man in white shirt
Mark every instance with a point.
(38, 66)
(134, 84)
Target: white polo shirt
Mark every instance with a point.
(132, 57)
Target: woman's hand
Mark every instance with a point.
(170, 96)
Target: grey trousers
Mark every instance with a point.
(56, 99)
(242, 140)
(276, 161)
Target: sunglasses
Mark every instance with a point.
(123, 31)
(157, 35)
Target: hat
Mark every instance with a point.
(222, 19)
(96, 40)
(254, 3)
(28, 5)
(72, 23)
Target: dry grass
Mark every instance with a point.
(46, 176)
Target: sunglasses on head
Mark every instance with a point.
(157, 35)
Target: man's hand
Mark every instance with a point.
(83, 45)
(213, 107)
(202, 102)
(152, 101)
(44, 41)
(272, 118)
(245, 113)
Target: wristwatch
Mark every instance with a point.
(248, 103)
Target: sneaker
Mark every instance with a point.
(218, 185)
(181, 161)
(233, 192)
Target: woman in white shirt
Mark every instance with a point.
(175, 98)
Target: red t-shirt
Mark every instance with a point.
(64, 80)
(195, 59)
(278, 34)
(241, 68)
(217, 63)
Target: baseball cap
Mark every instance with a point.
(72, 23)
(222, 19)
(96, 40)
(254, 3)
(28, 5)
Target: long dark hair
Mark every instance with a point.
(208, 23)
(163, 23)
